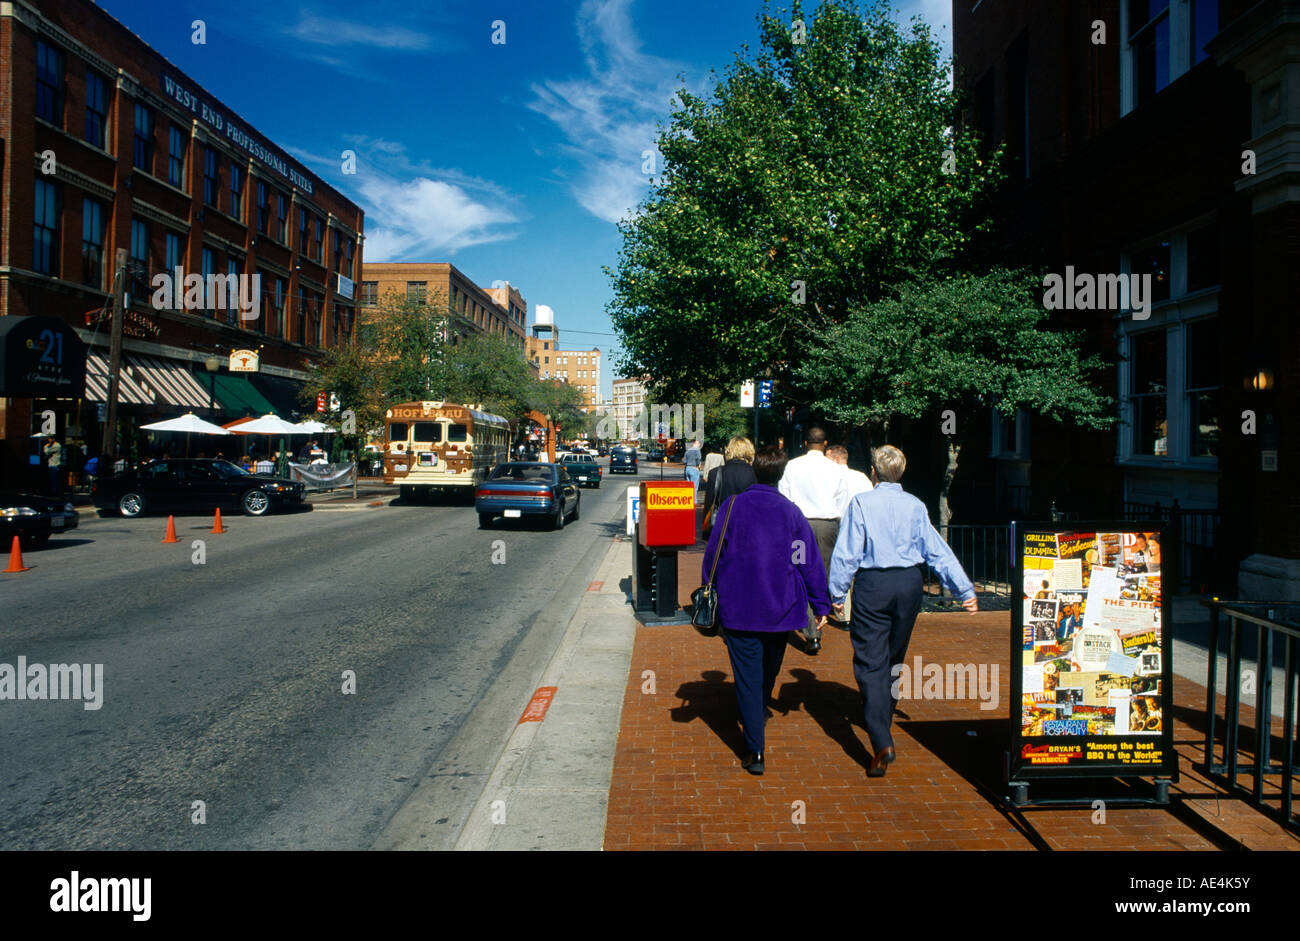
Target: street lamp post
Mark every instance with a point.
(212, 364)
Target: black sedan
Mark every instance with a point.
(193, 484)
(519, 489)
(33, 519)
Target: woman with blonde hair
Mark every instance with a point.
(733, 477)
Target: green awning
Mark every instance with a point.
(238, 397)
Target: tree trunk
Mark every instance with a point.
(945, 511)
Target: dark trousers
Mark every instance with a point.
(755, 662)
(826, 531)
(885, 605)
(56, 481)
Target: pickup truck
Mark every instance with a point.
(582, 468)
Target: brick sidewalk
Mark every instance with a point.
(678, 784)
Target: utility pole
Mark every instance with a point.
(109, 452)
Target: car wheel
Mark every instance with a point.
(130, 504)
(485, 521)
(577, 507)
(255, 502)
(558, 523)
(34, 542)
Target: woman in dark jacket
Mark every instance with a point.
(769, 572)
(733, 477)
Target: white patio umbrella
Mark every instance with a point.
(188, 423)
(313, 427)
(269, 424)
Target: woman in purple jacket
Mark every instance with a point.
(769, 572)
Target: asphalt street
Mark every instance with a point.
(224, 680)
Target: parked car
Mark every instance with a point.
(583, 469)
(520, 489)
(622, 461)
(195, 484)
(32, 518)
(655, 455)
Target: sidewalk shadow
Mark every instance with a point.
(714, 701)
(830, 705)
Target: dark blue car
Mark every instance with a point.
(526, 489)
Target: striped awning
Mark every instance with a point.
(145, 380)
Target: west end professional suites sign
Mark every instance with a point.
(232, 131)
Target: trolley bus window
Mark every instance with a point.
(457, 433)
(426, 431)
(397, 431)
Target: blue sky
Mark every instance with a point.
(511, 161)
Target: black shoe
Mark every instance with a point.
(881, 761)
(753, 762)
(812, 647)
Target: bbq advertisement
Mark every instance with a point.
(1091, 681)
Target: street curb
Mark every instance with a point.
(521, 785)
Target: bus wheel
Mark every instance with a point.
(405, 493)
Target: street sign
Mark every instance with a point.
(747, 394)
(765, 393)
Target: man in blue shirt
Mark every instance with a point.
(884, 537)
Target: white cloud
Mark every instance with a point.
(610, 117)
(327, 31)
(417, 212)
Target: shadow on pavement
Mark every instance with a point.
(714, 701)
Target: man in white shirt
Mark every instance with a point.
(818, 487)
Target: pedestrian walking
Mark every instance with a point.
(815, 484)
(733, 477)
(885, 536)
(692, 459)
(764, 590)
(53, 454)
(712, 460)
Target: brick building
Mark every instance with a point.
(1129, 155)
(628, 399)
(499, 310)
(580, 368)
(105, 144)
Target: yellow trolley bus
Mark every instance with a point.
(441, 446)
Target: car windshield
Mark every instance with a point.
(524, 472)
(227, 470)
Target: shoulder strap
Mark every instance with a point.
(722, 538)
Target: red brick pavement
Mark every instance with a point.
(678, 784)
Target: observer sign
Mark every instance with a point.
(40, 357)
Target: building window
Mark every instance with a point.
(417, 291)
(210, 181)
(302, 315)
(369, 293)
(1010, 439)
(139, 258)
(1148, 394)
(303, 231)
(209, 267)
(263, 208)
(172, 253)
(280, 294)
(46, 257)
(176, 156)
(96, 108)
(237, 192)
(233, 267)
(349, 247)
(1202, 344)
(142, 155)
(318, 245)
(1157, 261)
(49, 83)
(282, 209)
(1163, 40)
(92, 243)
(1202, 258)
(318, 323)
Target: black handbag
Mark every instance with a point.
(704, 600)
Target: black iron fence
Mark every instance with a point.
(1189, 556)
(1276, 635)
(984, 551)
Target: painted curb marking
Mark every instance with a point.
(538, 705)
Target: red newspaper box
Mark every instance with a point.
(667, 514)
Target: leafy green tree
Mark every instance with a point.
(820, 174)
(962, 344)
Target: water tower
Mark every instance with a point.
(544, 324)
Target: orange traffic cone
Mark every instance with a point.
(216, 523)
(16, 558)
(171, 530)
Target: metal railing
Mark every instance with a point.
(984, 551)
(1191, 538)
(1276, 623)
